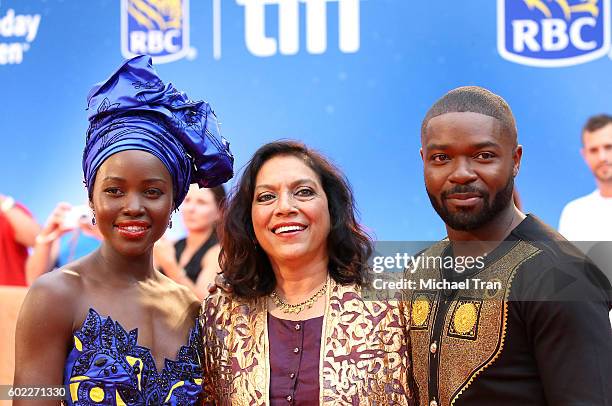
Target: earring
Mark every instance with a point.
(93, 220)
(170, 224)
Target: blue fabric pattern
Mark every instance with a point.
(135, 110)
(106, 366)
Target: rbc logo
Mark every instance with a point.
(553, 33)
(159, 28)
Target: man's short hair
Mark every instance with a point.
(595, 123)
(474, 99)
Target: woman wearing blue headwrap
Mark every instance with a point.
(109, 326)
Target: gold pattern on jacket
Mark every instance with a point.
(364, 358)
(473, 330)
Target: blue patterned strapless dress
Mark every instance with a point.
(106, 366)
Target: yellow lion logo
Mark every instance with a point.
(587, 6)
(157, 14)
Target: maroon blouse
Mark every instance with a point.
(294, 361)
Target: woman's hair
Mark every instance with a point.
(247, 267)
(219, 194)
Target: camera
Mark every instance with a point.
(76, 215)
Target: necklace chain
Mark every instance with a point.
(297, 308)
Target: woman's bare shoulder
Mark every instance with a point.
(51, 302)
(61, 291)
(60, 286)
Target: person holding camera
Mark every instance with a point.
(68, 234)
(108, 327)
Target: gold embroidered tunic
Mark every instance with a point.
(364, 358)
(541, 337)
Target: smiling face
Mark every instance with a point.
(200, 209)
(469, 166)
(290, 211)
(132, 199)
(597, 152)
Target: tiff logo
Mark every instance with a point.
(288, 41)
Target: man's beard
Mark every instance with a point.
(603, 176)
(466, 220)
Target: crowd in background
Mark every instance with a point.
(28, 250)
(292, 321)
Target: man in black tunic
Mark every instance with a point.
(531, 327)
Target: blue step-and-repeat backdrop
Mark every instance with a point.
(351, 78)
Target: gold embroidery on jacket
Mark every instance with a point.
(365, 351)
(420, 335)
(518, 255)
(465, 318)
(422, 305)
(473, 330)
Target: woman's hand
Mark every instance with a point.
(221, 283)
(55, 226)
(46, 248)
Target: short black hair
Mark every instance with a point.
(473, 99)
(595, 123)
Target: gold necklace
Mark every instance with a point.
(297, 308)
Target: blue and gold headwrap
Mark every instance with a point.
(134, 110)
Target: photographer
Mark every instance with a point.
(67, 235)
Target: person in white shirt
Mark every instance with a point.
(589, 218)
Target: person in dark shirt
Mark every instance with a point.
(530, 324)
(193, 261)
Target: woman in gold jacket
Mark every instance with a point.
(296, 329)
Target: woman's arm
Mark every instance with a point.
(46, 250)
(42, 338)
(41, 260)
(209, 269)
(164, 257)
